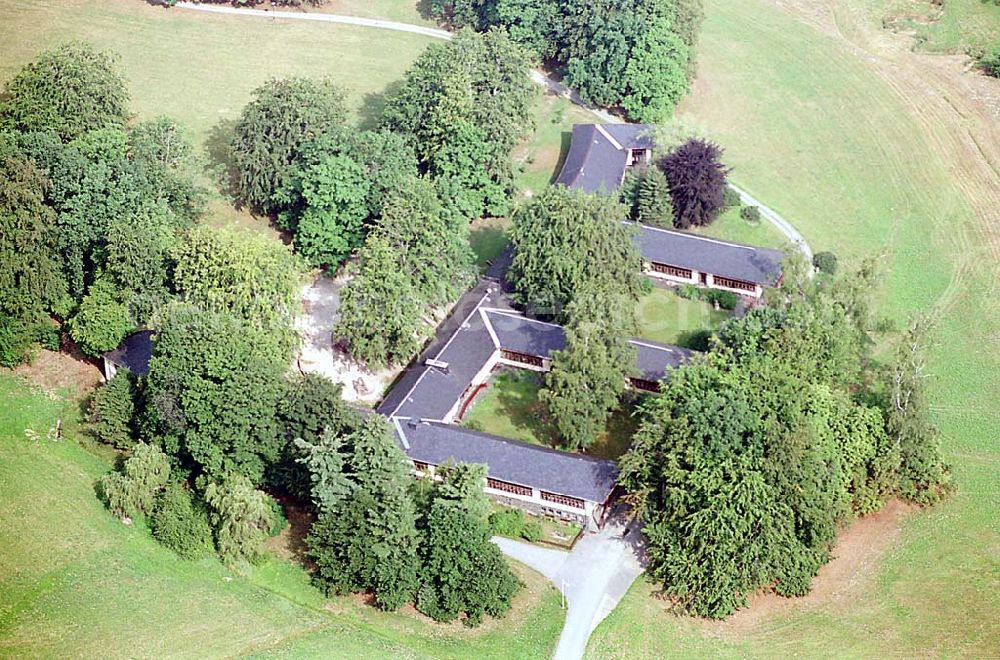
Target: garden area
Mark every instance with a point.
(665, 317)
(509, 407)
(520, 526)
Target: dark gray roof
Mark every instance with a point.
(653, 360)
(523, 335)
(509, 460)
(710, 255)
(133, 353)
(432, 390)
(598, 155)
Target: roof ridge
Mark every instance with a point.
(686, 234)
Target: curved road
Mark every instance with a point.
(772, 216)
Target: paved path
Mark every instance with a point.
(552, 86)
(592, 578)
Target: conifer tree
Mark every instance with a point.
(368, 540)
(653, 206)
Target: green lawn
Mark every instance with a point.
(669, 319)
(488, 238)
(510, 408)
(948, 27)
(76, 582)
(730, 226)
(810, 128)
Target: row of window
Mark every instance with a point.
(508, 487)
(673, 271)
(574, 502)
(734, 284)
(523, 358)
(516, 489)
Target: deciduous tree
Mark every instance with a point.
(240, 515)
(272, 129)
(697, 181)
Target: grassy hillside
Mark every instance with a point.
(944, 27)
(852, 164)
(76, 582)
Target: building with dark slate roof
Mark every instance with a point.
(133, 354)
(685, 258)
(482, 334)
(600, 155)
(598, 159)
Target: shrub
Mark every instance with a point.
(112, 409)
(990, 61)
(731, 198)
(751, 214)
(725, 299)
(825, 262)
(181, 523)
(532, 531)
(278, 517)
(507, 522)
(689, 292)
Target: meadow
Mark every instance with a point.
(855, 165)
(77, 582)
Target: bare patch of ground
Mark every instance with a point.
(290, 543)
(62, 373)
(841, 583)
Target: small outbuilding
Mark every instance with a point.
(133, 354)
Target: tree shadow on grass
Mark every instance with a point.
(372, 105)
(517, 399)
(221, 166)
(487, 243)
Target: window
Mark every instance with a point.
(672, 271)
(507, 487)
(644, 385)
(734, 284)
(523, 358)
(420, 466)
(574, 502)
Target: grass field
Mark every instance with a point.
(665, 317)
(510, 408)
(858, 168)
(76, 582)
(947, 27)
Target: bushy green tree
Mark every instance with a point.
(244, 274)
(180, 523)
(463, 573)
(32, 283)
(133, 490)
(924, 477)
(101, 322)
(240, 515)
(380, 311)
(311, 407)
(563, 239)
(825, 262)
(434, 250)
(463, 105)
(589, 376)
(272, 129)
(69, 90)
(653, 205)
(331, 226)
(112, 411)
(367, 541)
(212, 392)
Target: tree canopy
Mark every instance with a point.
(272, 129)
(633, 54)
(69, 90)
(463, 105)
(697, 180)
(564, 240)
(212, 391)
(755, 453)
